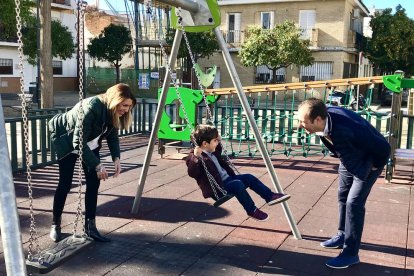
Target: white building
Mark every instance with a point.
(65, 71)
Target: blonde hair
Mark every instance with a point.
(114, 96)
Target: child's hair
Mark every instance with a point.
(204, 133)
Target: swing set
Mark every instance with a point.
(193, 16)
(197, 17)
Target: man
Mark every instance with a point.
(363, 153)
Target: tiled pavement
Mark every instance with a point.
(177, 232)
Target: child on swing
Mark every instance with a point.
(209, 149)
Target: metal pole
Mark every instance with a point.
(156, 126)
(9, 219)
(38, 96)
(136, 22)
(246, 107)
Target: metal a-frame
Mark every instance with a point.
(201, 16)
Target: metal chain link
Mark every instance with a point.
(80, 115)
(210, 115)
(33, 241)
(213, 183)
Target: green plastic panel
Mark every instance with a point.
(396, 82)
(206, 79)
(215, 15)
(191, 98)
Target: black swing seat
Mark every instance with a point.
(222, 199)
(48, 259)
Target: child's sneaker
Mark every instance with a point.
(259, 215)
(278, 198)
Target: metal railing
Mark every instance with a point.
(43, 153)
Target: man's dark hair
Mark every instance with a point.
(204, 133)
(316, 107)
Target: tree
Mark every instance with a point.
(111, 45)
(202, 44)
(391, 47)
(8, 18)
(63, 46)
(276, 48)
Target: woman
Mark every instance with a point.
(104, 115)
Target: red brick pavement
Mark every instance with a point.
(177, 232)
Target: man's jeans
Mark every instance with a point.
(352, 196)
(237, 185)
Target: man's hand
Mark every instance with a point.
(117, 167)
(197, 151)
(101, 172)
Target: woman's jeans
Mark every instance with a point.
(352, 196)
(66, 171)
(237, 185)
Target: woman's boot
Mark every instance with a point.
(55, 230)
(91, 231)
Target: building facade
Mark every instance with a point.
(334, 27)
(64, 71)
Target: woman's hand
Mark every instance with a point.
(117, 167)
(197, 151)
(101, 172)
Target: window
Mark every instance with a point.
(307, 20)
(350, 70)
(6, 66)
(57, 67)
(266, 19)
(264, 75)
(233, 27)
(317, 71)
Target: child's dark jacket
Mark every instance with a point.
(196, 170)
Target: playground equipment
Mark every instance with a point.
(204, 15)
(38, 261)
(396, 83)
(176, 134)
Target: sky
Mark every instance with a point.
(408, 5)
(379, 4)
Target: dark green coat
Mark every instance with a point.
(65, 130)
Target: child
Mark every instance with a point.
(209, 148)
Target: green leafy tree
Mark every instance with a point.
(8, 18)
(62, 40)
(202, 44)
(114, 42)
(391, 47)
(276, 48)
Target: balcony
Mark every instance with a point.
(61, 4)
(311, 34)
(233, 38)
(356, 40)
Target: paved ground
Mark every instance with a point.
(177, 232)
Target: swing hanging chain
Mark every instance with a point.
(213, 183)
(209, 113)
(33, 241)
(81, 115)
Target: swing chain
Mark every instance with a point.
(209, 113)
(33, 241)
(213, 183)
(81, 115)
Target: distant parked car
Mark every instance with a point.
(387, 97)
(338, 98)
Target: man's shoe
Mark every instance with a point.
(278, 198)
(55, 233)
(259, 215)
(336, 241)
(342, 261)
